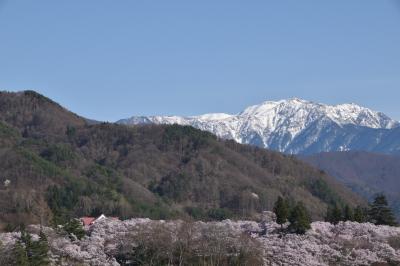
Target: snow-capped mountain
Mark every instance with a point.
(291, 126)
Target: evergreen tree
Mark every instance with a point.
(299, 219)
(334, 214)
(20, 254)
(348, 214)
(39, 251)
(360, 214)
(380, 213)
(34, 252)
(281, 210)
(25, 237)
(74, 226)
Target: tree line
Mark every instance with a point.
(185, 246)
(378, 212)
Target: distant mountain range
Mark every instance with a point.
(296, 126)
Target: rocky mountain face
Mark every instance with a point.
(296, 126)
(111, 242)
(364, 172)
(55, 165)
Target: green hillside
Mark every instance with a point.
(60, 166)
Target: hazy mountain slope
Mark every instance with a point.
(296, 126)
(364, 172)
(155, 171)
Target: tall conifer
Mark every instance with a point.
(299, 219)
(281, 210)
(380, 213)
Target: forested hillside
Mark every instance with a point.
(54, 165)
(364, 172)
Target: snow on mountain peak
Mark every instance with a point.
(276, 124)
(213, 116)
(299, 110)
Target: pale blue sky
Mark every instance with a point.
(112, 59)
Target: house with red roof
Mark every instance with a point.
(89, 221)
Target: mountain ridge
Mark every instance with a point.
(57, 166)
(280, 125)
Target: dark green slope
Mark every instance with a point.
(60, 166)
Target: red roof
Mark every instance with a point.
(87, 220)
